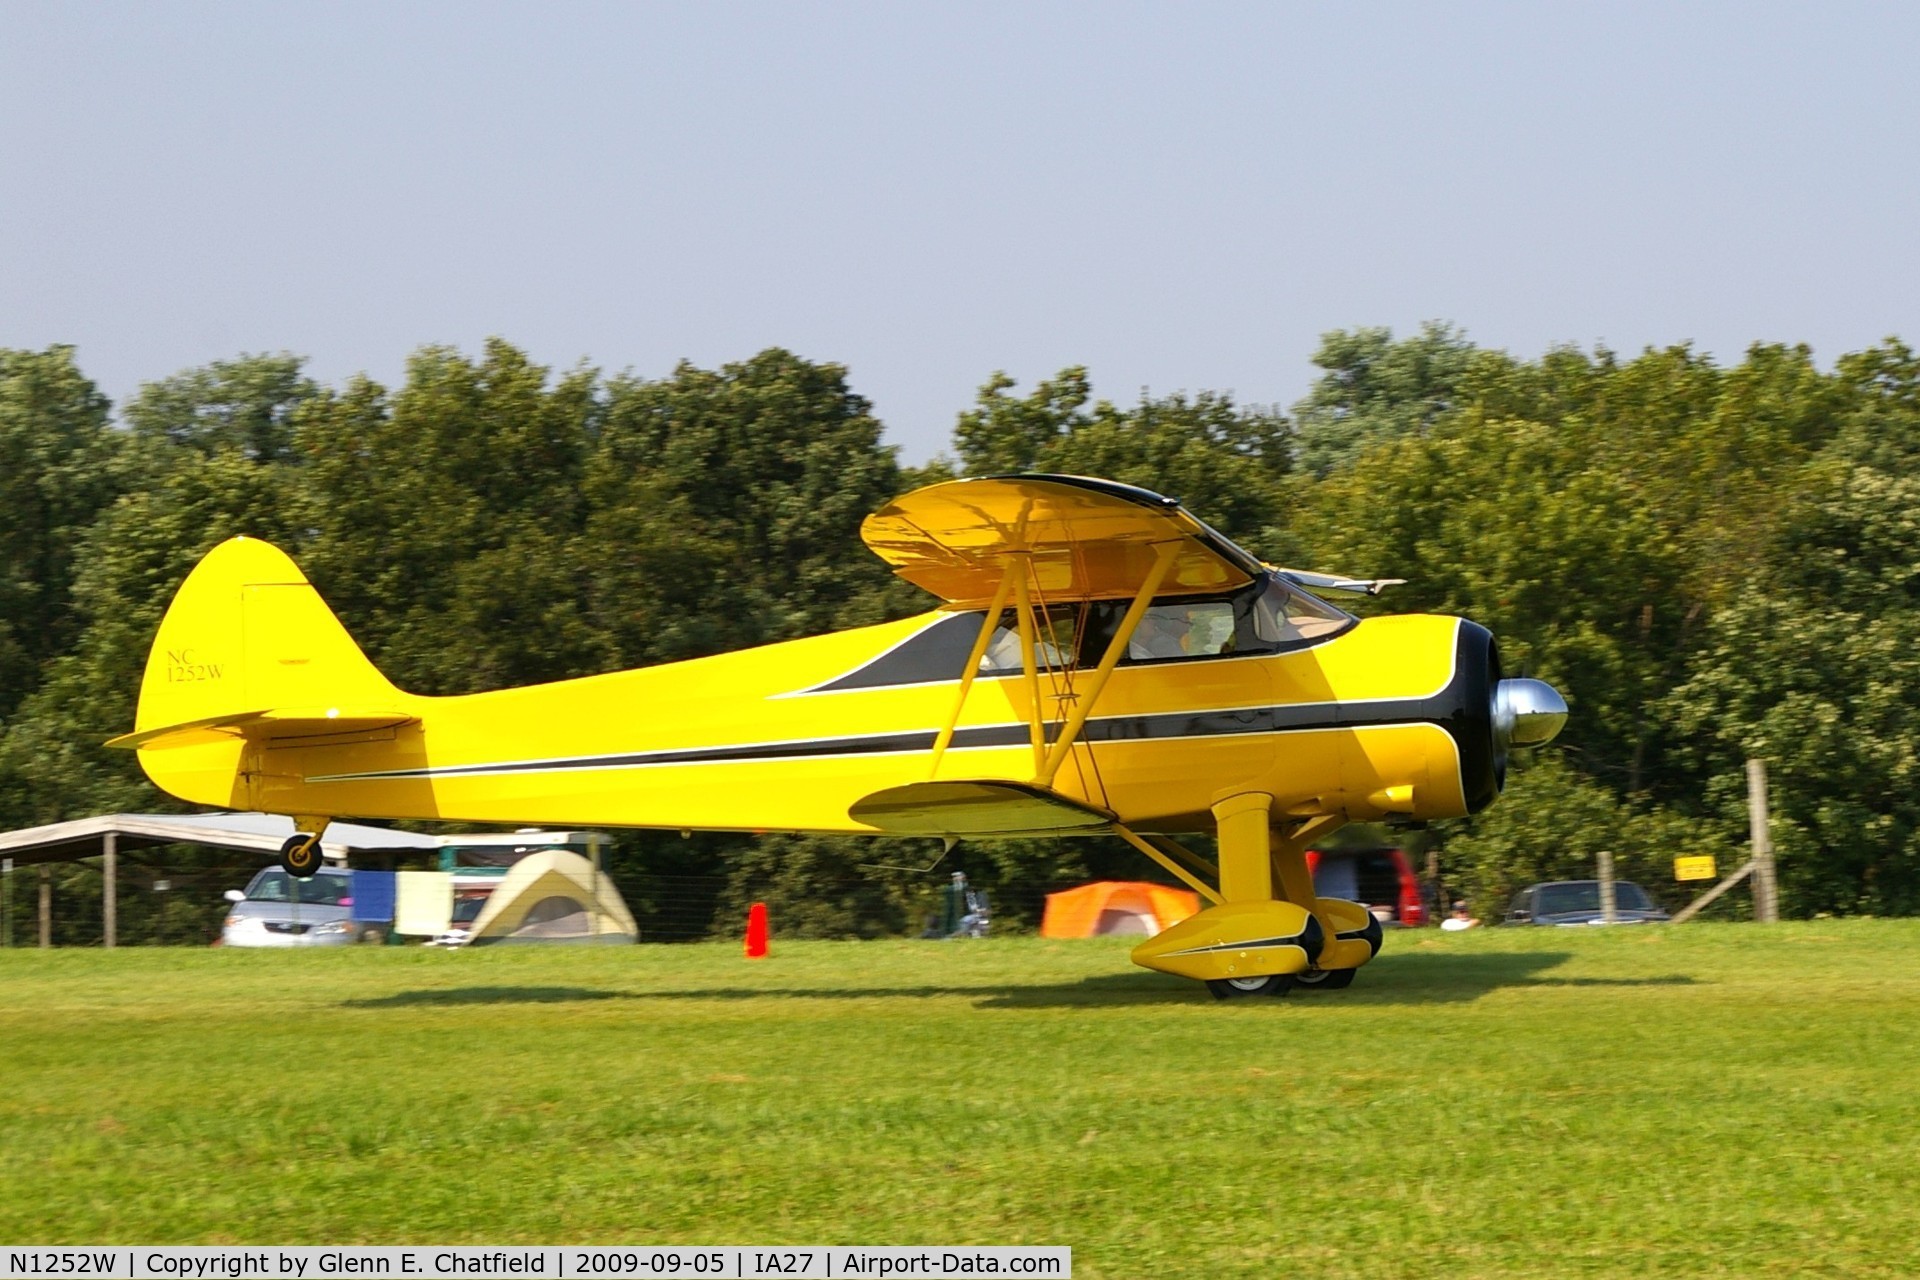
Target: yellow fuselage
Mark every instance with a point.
(750, 741)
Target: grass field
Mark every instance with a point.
(1732, 1100)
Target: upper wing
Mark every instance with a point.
(1089, 539)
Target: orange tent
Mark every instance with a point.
(1115, 906)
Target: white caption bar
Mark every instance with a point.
(549, 1262)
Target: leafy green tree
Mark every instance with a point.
(821, 887)
(1506, 523)
(1816, 666)
(59, 468)
(1825, 696)
(130, 563)
(770, 464)
(180, 492)
(1596, 543)
(1376, 389)
(1004, 433)
(724, 510)
(443, 518)
(245, 404)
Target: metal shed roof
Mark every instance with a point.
(253, 832)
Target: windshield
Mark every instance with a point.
(1285, 612)
(1269, 616)
(1584, 895)
(325, 890)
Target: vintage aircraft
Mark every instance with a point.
(1102, 663)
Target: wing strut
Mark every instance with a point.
(1016, 569)
(988, 625)
(1018, 563)
(1164, 554)
(1187, 877)
(1200, 866)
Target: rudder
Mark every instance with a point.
(249, 652)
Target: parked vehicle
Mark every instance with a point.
(276, 910)
(1382, 879)
(1577, 902)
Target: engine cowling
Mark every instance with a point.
(1495, 715)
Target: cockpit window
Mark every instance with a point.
(1267, 616)
(1056, 638)
(1201, 629)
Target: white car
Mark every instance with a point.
(277, 910)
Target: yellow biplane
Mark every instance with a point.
(1101, 663)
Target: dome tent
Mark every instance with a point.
(1116, 906)
(550, 897)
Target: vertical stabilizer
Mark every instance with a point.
(248, 634)
(248, 652)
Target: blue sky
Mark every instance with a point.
(1181, 197)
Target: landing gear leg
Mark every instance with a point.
(1351, 936)
(1252, 940)
(1246, 875)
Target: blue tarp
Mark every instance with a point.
(373, 896)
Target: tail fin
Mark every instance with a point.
(248, 649)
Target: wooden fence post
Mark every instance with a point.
(110, 887)
(1766, 890)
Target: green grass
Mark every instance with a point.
(1731, 1100)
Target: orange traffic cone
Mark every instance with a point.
(757, 931)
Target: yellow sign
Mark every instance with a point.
(1700, 868)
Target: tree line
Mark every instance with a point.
(1710, 562)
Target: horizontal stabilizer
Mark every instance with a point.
(270, 725)
(993, 808)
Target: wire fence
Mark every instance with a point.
(166, 898)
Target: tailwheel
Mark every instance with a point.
(300, 855)
(1272, 984)
(1325, 979)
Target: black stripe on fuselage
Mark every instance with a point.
(1442, 708)
(1167, 727)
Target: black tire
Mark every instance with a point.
(1325, 979)
(1275, 984)
(1373, 935)
(301, 856)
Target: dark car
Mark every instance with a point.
(1572, 902)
